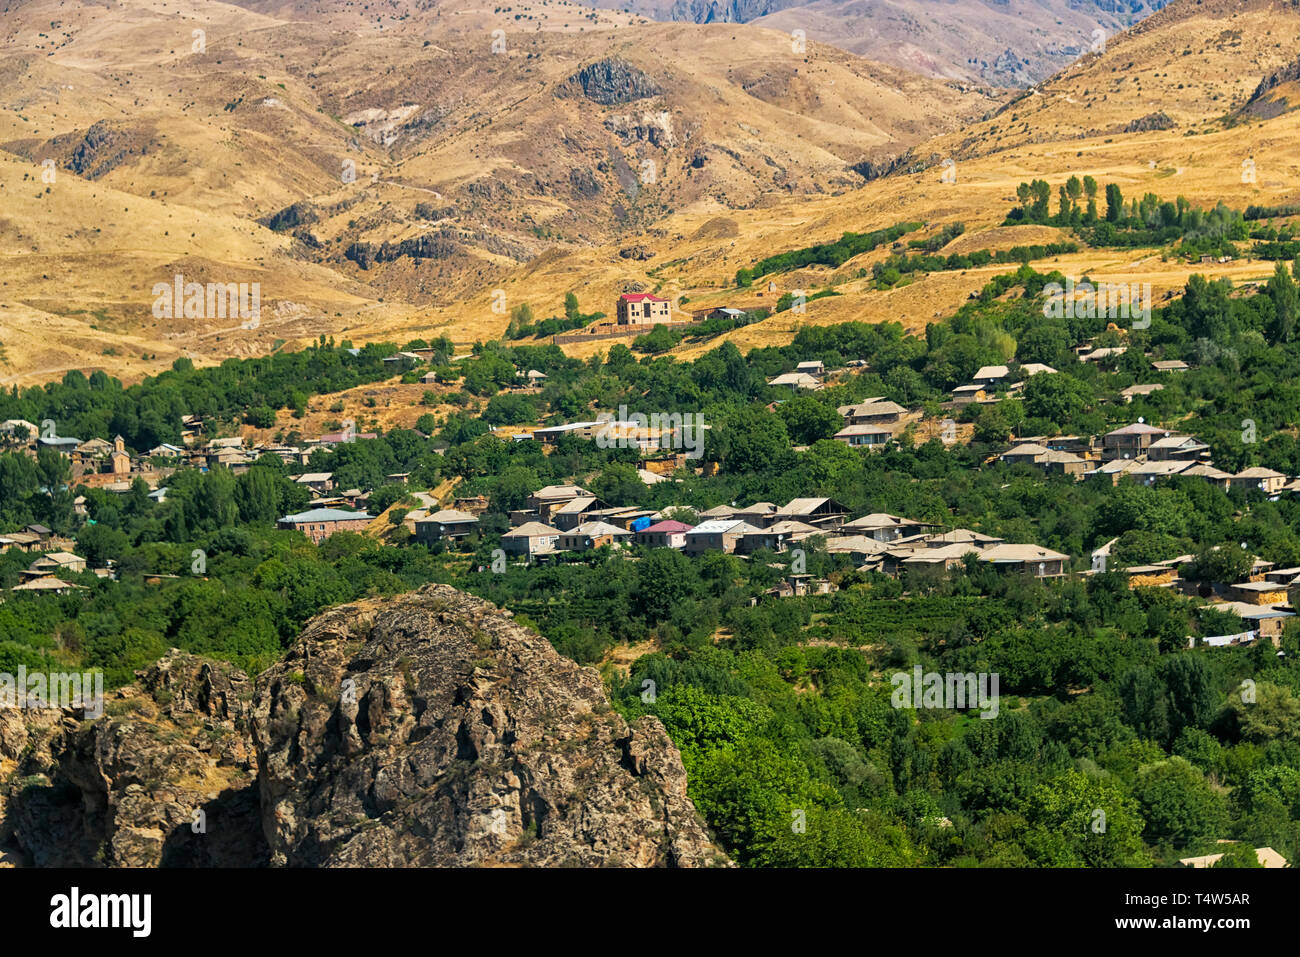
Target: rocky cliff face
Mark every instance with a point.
(425, 730)
(165, 778)
(432, 730)
(611, 81)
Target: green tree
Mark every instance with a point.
(807, 420)
(1178, 804)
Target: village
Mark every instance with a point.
(561, 522)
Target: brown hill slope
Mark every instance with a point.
(1005, 42)
(1092, 119)
(361, 168)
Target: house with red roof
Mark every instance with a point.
(666, 534)
(643, 309)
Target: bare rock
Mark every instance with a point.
(430, 729)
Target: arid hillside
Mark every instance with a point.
(1005, 42)
(1211, 124)
(366, 169)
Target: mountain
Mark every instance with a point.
(1163, 109)
(361, 169)
(423, 730)
(1001, 42)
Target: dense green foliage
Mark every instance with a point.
(782, 707)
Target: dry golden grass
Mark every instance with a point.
(79, 261)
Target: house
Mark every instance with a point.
(642, 309)
(318, 482)
(429, 378)
(582, 430)
(824, 513)
(550, 497)
(1074, 444)
(989, 375)
(64, 446)
(1148, 473)
(1150, 576)
(962, 536)
(48, 583)
(813, 367)
(166, 451)
(574, 512)
(1259, 593)
(400, 360)
(1028, 453)
(1033, 560)
(1267, 857)
(1265, 480)
(1107, 352)
(1111, 471)
(873, 412)
(720, 512)
(760, 514)
(795, 381)
(1179, 447)
(1134, 391)
(916, 558)
(1063, 463)
(1036, 368)
(1283, 576)
(666, 534)
(1170, 365)
(535, 379)
(632, 519)
(530, 539)
(966, 394)
(92, 450)
(58, 562)
(447, 523)
(883, 527)
(20, 541)
(347, 435)
(1267, 621)
(722, 312)
(1130, 442)
(592, 535)
(860, 548)
(319, 524)
(19, 430)
(776, 537)
(717, 535)
(863, 436)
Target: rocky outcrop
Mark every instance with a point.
(298, 214)
(165, 778)
(424, 730)
(443, 243)
(611, 81)
(1286, 74)
(430, 729)
(1270, 97)
(870, 169)
(103, 148)
(1152, 121)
